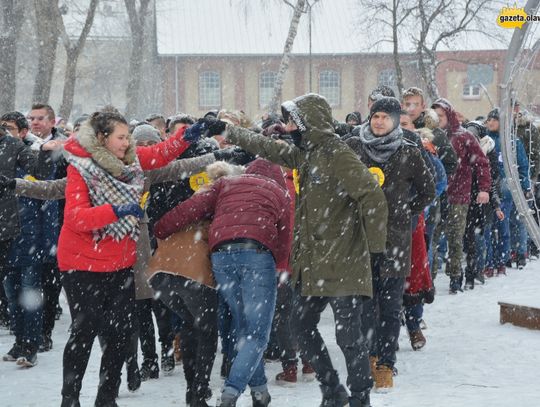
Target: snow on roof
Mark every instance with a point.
(257, 27)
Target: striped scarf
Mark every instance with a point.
(106, 189)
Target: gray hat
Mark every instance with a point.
(146, 132)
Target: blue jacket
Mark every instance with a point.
(522, 162)
(26, 249)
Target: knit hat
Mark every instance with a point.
(146, 132)
(494, 114)
(388, 105)
(354, 116)
(381, 91)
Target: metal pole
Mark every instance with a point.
(506, 98)
(310, 60)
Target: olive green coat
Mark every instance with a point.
(341, 211)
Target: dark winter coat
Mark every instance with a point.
(341, 212)
(405, 171)
(528, 133)
(254, 205)
(15, 154)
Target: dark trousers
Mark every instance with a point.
(196, 304)
(347, 316)
(284, 325)
(100, 304)
(50, 283)
(4, 251)
(380, 318)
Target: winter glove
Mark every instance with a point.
(215, 127)
(234, 155)
(193, 133)
(6, 184)
(132, 209)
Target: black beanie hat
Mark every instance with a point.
(494, 114)
(388, 105)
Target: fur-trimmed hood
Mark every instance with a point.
(86, 144)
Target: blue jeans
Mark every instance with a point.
(497, 237)
(25, 302)
(246, 279)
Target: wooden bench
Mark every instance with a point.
(520, 315)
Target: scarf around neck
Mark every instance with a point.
(104, 188)
(380, 149)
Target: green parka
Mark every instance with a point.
(341, 211)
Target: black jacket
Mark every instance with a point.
(15, 154)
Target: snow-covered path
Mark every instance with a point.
(470, 360)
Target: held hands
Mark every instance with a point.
(194, 132)
(482, 198)
(131, 209)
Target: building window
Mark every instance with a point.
(209, 89)
(388, 78)
(471, 91)
(266, 87)
(330, 87)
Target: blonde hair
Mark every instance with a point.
(413, 91)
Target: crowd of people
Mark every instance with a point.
(240, 233)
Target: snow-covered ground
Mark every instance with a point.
(470, 360)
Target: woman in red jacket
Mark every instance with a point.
(97, 244)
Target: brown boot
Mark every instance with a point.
(384, 378)
(177, 349)
(418, 341)
(373, 365)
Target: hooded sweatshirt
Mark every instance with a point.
(470, 156)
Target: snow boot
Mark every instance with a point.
(308, 374)
(289, 375)
(469, 283)
(384, 378)
(149, 370)
(521, 261)
(359, 400)
(167, 359)
(46, 343)
(133, 376)
(418, 341)
(28, 355)
(334, 397)
(501, 270)
(261, 398)
(198, 396)
(455, 285)
(70, 402)
(13, 354)
(489, 272)
(227, 400)
(480, 277)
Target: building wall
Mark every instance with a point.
(359, 74)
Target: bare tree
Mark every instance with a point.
(47, 33)
(387, 20)
(440, 22)
(11, 19)
(73, 51)
(137, 23)
(299, 8)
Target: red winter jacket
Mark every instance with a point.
(254, 205)
(77, 249)
(470, 156)
(418, 285)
